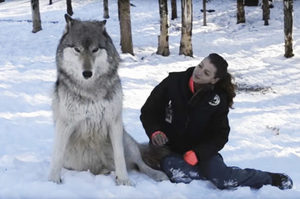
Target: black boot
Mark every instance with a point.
(282, 181)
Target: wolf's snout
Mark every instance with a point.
(87, 74)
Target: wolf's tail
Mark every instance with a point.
(152, 155)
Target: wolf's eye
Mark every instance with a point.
(77, 50)
(95, 50)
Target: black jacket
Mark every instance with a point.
(196, 122)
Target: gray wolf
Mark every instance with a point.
(87, 107)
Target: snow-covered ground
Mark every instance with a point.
(265, 127)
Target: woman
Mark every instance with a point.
(188, 113)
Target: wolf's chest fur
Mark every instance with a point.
(89, 143)
(89, 116)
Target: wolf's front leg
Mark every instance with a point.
(116, 136)
(62, 136)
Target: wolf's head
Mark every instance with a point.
(86, 52)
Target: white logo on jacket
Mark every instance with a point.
(169, 113)
(215, 101)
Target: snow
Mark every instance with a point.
(265, 125)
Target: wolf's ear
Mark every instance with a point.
(69, 19)
(102, 23)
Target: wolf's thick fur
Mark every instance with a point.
(87, 107)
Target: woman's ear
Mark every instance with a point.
(215, 80)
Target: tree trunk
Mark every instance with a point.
(266, 11)
(69, 7)
(105, 9)
(204, 13)
(50, 2)
(125, 26)
(174, 9)
(186, 28)
(36, 17)
(163, 39)
(240, 12)
(288, 27)
(2, 1)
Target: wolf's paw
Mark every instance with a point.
(105, 172)
(126, 182)
(161, 177)
(157, 175)
(55, 178)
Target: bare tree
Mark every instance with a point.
(186, 28)
(266, 11)
(251, 2)
(69, 7)
(105, 9)
(204, 13)
(174, 9)
(240, 12)
(288, 27)
(36, 17)
(163, 39)
(125, 26)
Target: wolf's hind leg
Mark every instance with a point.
(134, 157)
(154, 174)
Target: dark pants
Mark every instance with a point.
(215, 170)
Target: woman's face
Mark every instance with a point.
(204, 73)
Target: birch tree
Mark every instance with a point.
(36, 17)
(174, 9)
(105, 9)
(240, 12)
(69, 7)
(125, 26)
(204, 13)
(186, 28)
(288, 27)
(266, 11)
(163, 38)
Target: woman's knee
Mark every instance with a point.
(216, 171)
(214, 168)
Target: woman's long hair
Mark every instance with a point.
(226, 80)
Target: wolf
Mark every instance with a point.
(87, 107)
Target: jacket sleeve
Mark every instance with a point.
(219, 131)
(153, 111)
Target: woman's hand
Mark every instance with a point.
(159, 138)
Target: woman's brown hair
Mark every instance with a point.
(226, 79)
